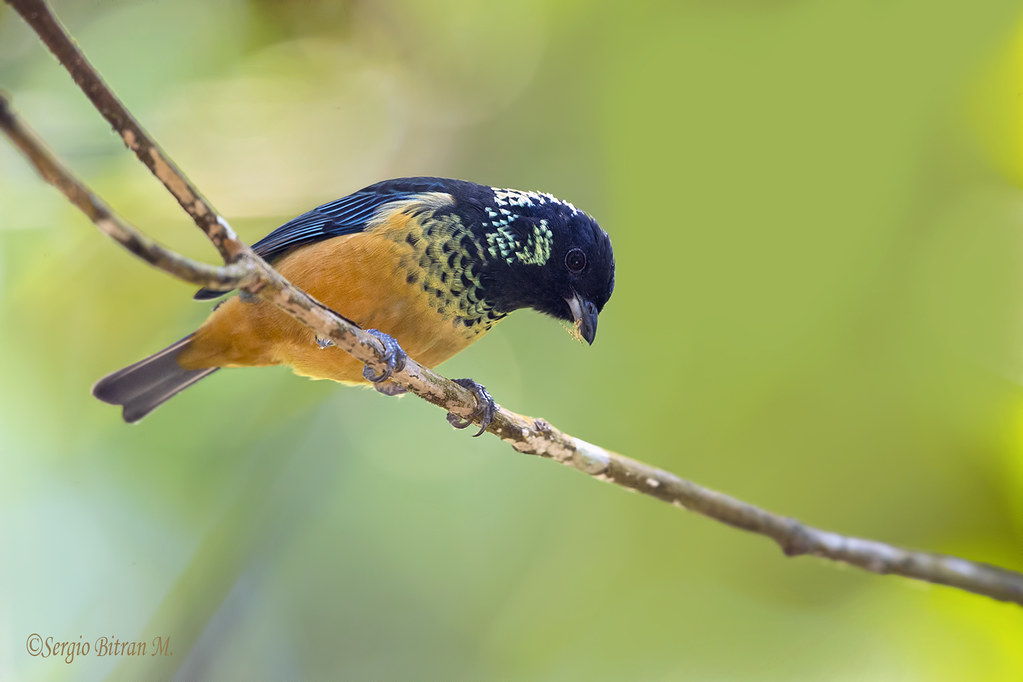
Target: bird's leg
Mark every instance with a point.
(393, 359)
(485, 407)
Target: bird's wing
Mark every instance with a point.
(346, 215)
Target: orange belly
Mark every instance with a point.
(361, 276)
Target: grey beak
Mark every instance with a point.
(585, 314)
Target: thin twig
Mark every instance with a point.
(233, 275)
(525, 434)
(55, 37)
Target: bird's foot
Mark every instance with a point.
(485, 407)
(323, 343)
(393, 358)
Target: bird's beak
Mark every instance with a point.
(585, 315)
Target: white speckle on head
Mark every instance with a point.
(536, 250)
(503, 241)
(514, 197)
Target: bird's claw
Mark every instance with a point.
(485, 407)
(393, 357)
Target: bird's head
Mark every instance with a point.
(543, 253)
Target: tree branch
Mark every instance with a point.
(527, 435)
(53, 35)
(233, 275)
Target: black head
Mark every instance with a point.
(542, 253)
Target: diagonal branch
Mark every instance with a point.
(233, 275)
(53, 35)
(525, 434)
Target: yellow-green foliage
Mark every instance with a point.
(818, 226)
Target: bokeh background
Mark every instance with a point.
(818, 225)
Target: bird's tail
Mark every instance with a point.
(147, 384)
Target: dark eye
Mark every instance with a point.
(575, 260)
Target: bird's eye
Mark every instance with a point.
(575, 260)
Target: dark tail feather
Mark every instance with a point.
(149, 383)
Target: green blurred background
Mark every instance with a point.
(817, 220)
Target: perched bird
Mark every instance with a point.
(428, 264)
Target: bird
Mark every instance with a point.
(428, 265)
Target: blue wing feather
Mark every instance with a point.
(346, 215)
